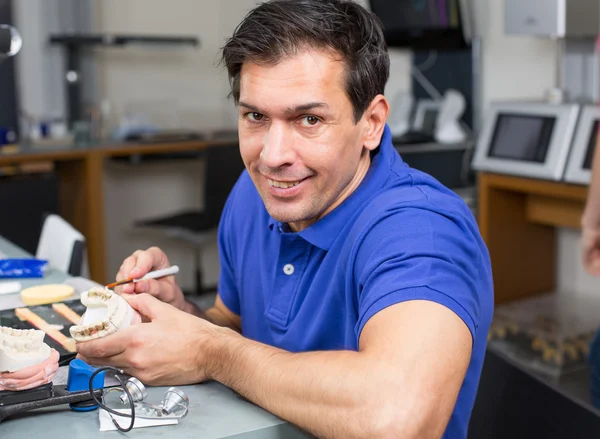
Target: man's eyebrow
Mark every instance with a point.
(249, 107)
(290, 110)
(306, 107)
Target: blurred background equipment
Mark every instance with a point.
(74, 43)
(422, 24)
(531, 139)
(400, 116)
(434, 124)
(10, 41)
(448, 127)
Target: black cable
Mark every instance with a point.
(67, 359)
(118, 373)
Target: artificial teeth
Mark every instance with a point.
(106, 313)
(20, 349)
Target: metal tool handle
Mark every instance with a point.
(61, 396)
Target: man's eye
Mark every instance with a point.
(255, 117)
(310, 121)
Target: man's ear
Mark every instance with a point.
(375, 117)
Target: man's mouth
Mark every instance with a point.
(283, 184)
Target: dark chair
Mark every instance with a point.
(223, 167)
(512, 403)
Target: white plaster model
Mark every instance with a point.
(448, 127)
(400, 113)
(106, 313)
(21, 348)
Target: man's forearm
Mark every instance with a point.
(591, 215)
(192, 308)
(213, 315)
(330, 394)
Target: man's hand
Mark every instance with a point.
(590, 246)
(139, 264)
(167, 290)
(170, 349)
(590, 220)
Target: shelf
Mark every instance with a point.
(120, 39)
(518, 218)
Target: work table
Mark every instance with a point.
(214, 411)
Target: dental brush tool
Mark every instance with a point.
(151, 275)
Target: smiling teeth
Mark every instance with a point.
(283, 184)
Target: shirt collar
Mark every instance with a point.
(323, 232)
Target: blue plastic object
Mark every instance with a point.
(79, 380)
(22, 268)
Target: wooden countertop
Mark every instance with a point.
(27, 152)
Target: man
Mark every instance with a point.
(590, 221)
(355, 293)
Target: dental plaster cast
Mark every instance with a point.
(106, 313)
(25, 360)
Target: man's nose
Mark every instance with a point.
(278, 148)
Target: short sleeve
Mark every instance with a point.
(419, 254)
(227, 288)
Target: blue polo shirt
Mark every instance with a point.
(399, 236)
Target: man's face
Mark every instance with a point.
(298, 138)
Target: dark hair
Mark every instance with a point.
(280, 28)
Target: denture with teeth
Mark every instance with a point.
(25, 360)
(106, 313)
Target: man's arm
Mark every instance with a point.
(590, 221)
(403, 382)
(591, 215)
(219, 314)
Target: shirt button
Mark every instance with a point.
(288, 269)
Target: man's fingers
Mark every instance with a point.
(117, 361)
(151, 259)
(146, 304)
(150, 286)
(126, 289)
(126, 267)
(594, 266)
(591, 259)
(144, 262)
(98, 361)
(139, 264)
(158, 257)
(109, 346)
(125, 273)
